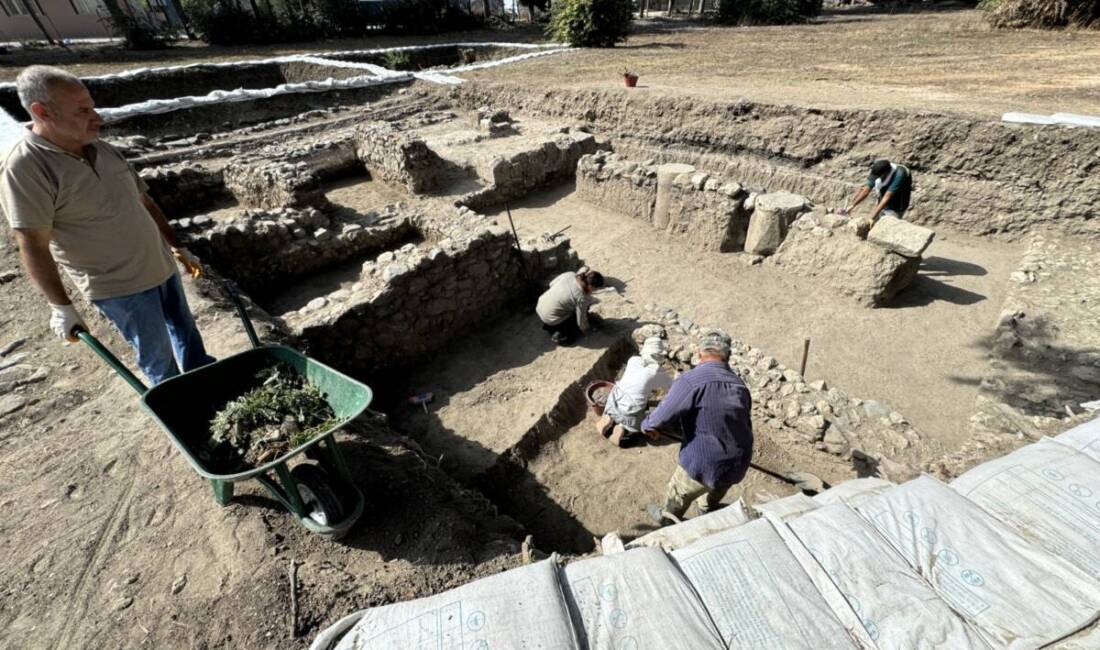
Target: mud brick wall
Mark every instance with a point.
(516, 176)
(184, 189)
(398, 157)
(413, 301)
(704, 210)
(263, 250)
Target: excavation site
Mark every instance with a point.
(395, 214)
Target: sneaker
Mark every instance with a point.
(605, 425)
(561, 339)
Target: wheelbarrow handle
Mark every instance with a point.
(241, 313)
(111, 359)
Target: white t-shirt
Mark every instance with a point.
(639, 380)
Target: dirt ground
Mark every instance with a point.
(924, 355)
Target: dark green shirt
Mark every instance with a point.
(901, 186)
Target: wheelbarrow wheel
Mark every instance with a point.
(321, 503)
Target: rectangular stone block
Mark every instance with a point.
(900, 236)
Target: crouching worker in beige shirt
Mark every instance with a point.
(73, 200)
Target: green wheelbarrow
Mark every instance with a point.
(320, 494)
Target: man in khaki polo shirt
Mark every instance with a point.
(74, 201)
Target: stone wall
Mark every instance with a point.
(288, 175)
(396, 156)
(706, 211)
(516, 176)
(1023, 176)
(184, 189)
(826, 248)
(411, 302)
(263, 250)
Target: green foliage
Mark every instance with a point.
(766, 12)
(139, 33)
(590, 23)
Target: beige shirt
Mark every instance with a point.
(103, 236)
(563, 300)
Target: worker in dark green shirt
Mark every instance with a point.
(892, 183)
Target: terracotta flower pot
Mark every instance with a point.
(631, 80)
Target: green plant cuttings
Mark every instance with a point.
(284, 411)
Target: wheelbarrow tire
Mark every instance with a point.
(318, 496)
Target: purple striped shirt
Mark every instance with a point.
(711, 407)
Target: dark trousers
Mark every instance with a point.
(568, 330)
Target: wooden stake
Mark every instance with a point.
(805, 354)
(293, 599)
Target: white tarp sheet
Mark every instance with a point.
(679, 535)
(757, 594)
(898, 608)
(1047, 492)
(788, 507)
(853, 492)
(1085, 438)
(523, 609)
(1016, 594)
(637, 600)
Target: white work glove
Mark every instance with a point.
(63, 318)
(190, 263)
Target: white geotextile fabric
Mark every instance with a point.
(679, 535)
(788, 507)
(155, 106)
(899, 610)
(853, 492)
(1064, 119)
(1047, 492)
(523, 609)
(1085, 438)
(756, 592)
(636, 600)
(295, 57)
(1016, 594)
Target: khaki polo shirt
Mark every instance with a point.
(103, 236)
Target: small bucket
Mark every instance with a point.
(595, 395)
(631, 80)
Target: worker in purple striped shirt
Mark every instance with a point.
(709, 409)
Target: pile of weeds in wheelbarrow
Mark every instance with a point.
(284, 411)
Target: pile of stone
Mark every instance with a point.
(15, 374)
(184, 187)
(827, 248)
(273, 184)
(865, 432)
(493, 122)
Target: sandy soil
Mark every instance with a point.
(940, 59)
(924, 356)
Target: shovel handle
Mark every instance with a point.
(111, 359)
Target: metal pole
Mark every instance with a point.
(805, 354)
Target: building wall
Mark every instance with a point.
(61, 18)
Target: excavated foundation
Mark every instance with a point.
(356, 218)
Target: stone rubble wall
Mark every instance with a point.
(397, 156)
(282, 175)
(825, 247)
(516, 176)
(263, 250)
(184, 188)
(1024, 177)
(1044, 359)
(874, 438)
(411, 302)
(705, 210)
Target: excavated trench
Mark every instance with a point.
(356, 220)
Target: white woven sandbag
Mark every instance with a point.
(637, 600)
(523, 609)
(853, 492)
(1048, 493)
(897, 607)
(757, 594)
(788, 507)
(679, 535)
(1084, 438)
(1016, 594)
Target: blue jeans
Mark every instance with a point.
(155, 323)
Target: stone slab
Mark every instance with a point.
(900, 236)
